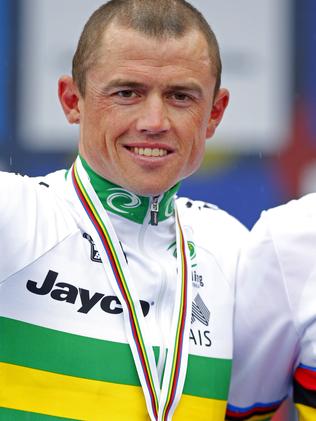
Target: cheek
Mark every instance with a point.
(194, 153)
(198, 143)
(192, 134)
(197, 154)
(195, 121)
(195, 134)
(98, 121)
(98, 112)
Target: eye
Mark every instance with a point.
(180, 96)
(126, 93)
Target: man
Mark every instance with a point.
(275, 329)
(116, 300)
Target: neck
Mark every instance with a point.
(120, 201)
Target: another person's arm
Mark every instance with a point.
(275, 317)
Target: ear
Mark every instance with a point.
(219, 105)
(68, 94)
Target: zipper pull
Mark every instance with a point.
(154, 209)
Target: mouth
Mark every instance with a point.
(149, 152)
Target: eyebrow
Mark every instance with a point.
(115, 83)
(190, 86)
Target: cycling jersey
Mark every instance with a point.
(275, 328)
(64, 351)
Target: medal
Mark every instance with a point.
(161, 401)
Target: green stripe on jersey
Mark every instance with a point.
(73, 355)
(208, 377)
(63, 353)
(13, 415)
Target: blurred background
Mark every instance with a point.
(264, 153)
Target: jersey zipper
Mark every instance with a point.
(154, 210)
(152, 218)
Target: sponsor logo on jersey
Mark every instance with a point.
(199, 311)
(122, 201)
(192, 250)
(197, 280)
(68, 293)
(169, 207)
(200, 337)
(202, 314)
(94, 254)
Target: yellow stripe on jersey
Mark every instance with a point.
(47, 393)
(306, 413)
(42, 392)
(193, 408)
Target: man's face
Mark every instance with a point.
(148, 108)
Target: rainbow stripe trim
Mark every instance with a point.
(306, 376)
(176, 363)
(304, 387)
(253, 411)
(121, 282)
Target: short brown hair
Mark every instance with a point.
(155, 18)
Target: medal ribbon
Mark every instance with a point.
(160, 403)
(179, 344)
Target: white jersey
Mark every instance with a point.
(64, 351)
(275, 326)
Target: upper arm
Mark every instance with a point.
(304, 382)
(265, 337)
(17, 217)
(32, 221)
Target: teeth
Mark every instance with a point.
(149, 152)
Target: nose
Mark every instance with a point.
(153, 118)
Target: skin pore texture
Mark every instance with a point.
(148, 108)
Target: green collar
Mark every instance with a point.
(117, 200)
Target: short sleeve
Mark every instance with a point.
(265, 337)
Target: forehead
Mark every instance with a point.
(127, 47)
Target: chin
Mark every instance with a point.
(149, 191)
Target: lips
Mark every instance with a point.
(154, 152)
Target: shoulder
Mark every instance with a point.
(8, 180)
(15, 180)
(15, 189)
(210, 219)
(304, 207)
(215, 231)
(29, 193)
(34, 217)
(283, 240)
(55, 180)
(293, 221)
